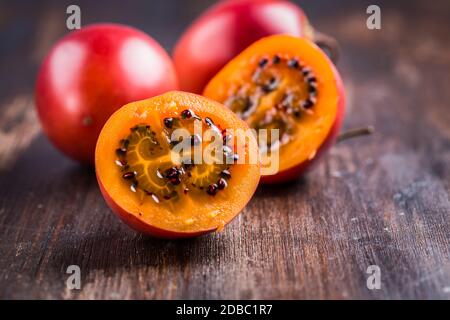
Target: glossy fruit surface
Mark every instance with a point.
(160, 191)
(226, 29)
(89, 74)
(287, 84)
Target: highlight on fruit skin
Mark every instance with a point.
(157, 193)
(286, 83)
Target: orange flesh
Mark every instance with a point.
(300, 136)
(191, 212)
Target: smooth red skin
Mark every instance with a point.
(302, 168)
(143, 227)
(225, 30)
(89, 74)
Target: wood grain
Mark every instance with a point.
(380, 200)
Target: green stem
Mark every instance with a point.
(353, 133)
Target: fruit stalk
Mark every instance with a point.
(353, 133)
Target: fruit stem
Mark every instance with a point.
(328, 43)
(353, 133)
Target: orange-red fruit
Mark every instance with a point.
(89, 74)
(286, 83)
(154, 193)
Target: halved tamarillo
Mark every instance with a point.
(160, 189)
(285, 83)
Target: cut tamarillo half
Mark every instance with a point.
(285, 83)
(149, 175)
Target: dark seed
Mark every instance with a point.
(312, 89)
(175, 181)
(168, 122)
(120, 152)
(297, 113)
(172, 173)
(262, 62)
(306, 72)
(167, 197)
(186, 190)
(226, 174)
(133, 186)
(235, 157)
(311, 79)
(209, 122)
(249, 108)
(276, 59)
(222, 184)
(121, 163)
(212, 189)
(308, 103)
(293, 63)
(186, 114)
(129, 175)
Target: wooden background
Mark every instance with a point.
(381, 200)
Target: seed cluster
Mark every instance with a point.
(123, 149)
(308, 77)
(269, 76)
(174, 174)
(176, 179)
(211, 186)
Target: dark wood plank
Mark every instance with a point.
(381, 200)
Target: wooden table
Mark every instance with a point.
(380, 200)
